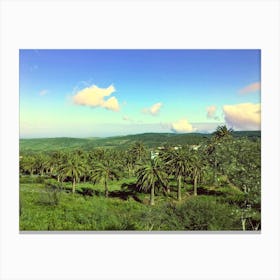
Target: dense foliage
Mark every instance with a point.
(213, 185)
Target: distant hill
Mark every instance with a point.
(249, 134)
(122, 142)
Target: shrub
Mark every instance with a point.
(40, 180)
(51, 195)
(196, 213)
(207, 214)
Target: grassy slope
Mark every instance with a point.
(149, 139)
(123, 210)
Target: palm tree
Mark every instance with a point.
(196, 170)
(179, 165)
(104, 172)
(148, 175)
(222, 132)
(41, 163)
(99, 154)
(87, 171)
(139, 150)
(58, 160)
(129, 163)
(28, 164)
(85, 161)
(73, 169)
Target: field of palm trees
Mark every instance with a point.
(213, 185)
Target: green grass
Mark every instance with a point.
(74, 212)
(125, 209)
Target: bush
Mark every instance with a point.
(40, 180)
(202, 213)
(196, 213)
(51, 195)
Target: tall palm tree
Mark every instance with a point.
(57, 160)
(222, 132)
(129, 163)
(73, 169)
(178, 163)
(99, 153)
(139, 150)
(28, 164)
(196, 169)
(148, 175)
(104, 172)
(85, 162)
(41, 163)
(165, 154)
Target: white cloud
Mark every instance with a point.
(95, 97)
(182, 126)
(153, 110)
(245, 116)
(111, 104)
(43, 92)
(251, 88)
(211, 112)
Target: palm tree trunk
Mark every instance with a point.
(130, 171)
(243, 221)
(215, 173)
(168, 189)
(195, 185)
(152, 199)
(106, 188)
(73, 185)
(179, 196)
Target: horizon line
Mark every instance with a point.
(124, 135)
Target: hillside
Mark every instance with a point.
(149, 139)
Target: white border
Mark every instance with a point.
(153, 24)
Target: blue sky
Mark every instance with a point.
(89, 93)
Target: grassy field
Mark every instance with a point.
(125, 209)
(121, 183)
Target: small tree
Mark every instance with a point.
(73, 169)
(196, 169)
(150, 174)
(104, 172)
(222, 133)
(219, 137)
(138, 150)
(178, 164)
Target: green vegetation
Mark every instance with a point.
(150, 140)
(203, 183)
